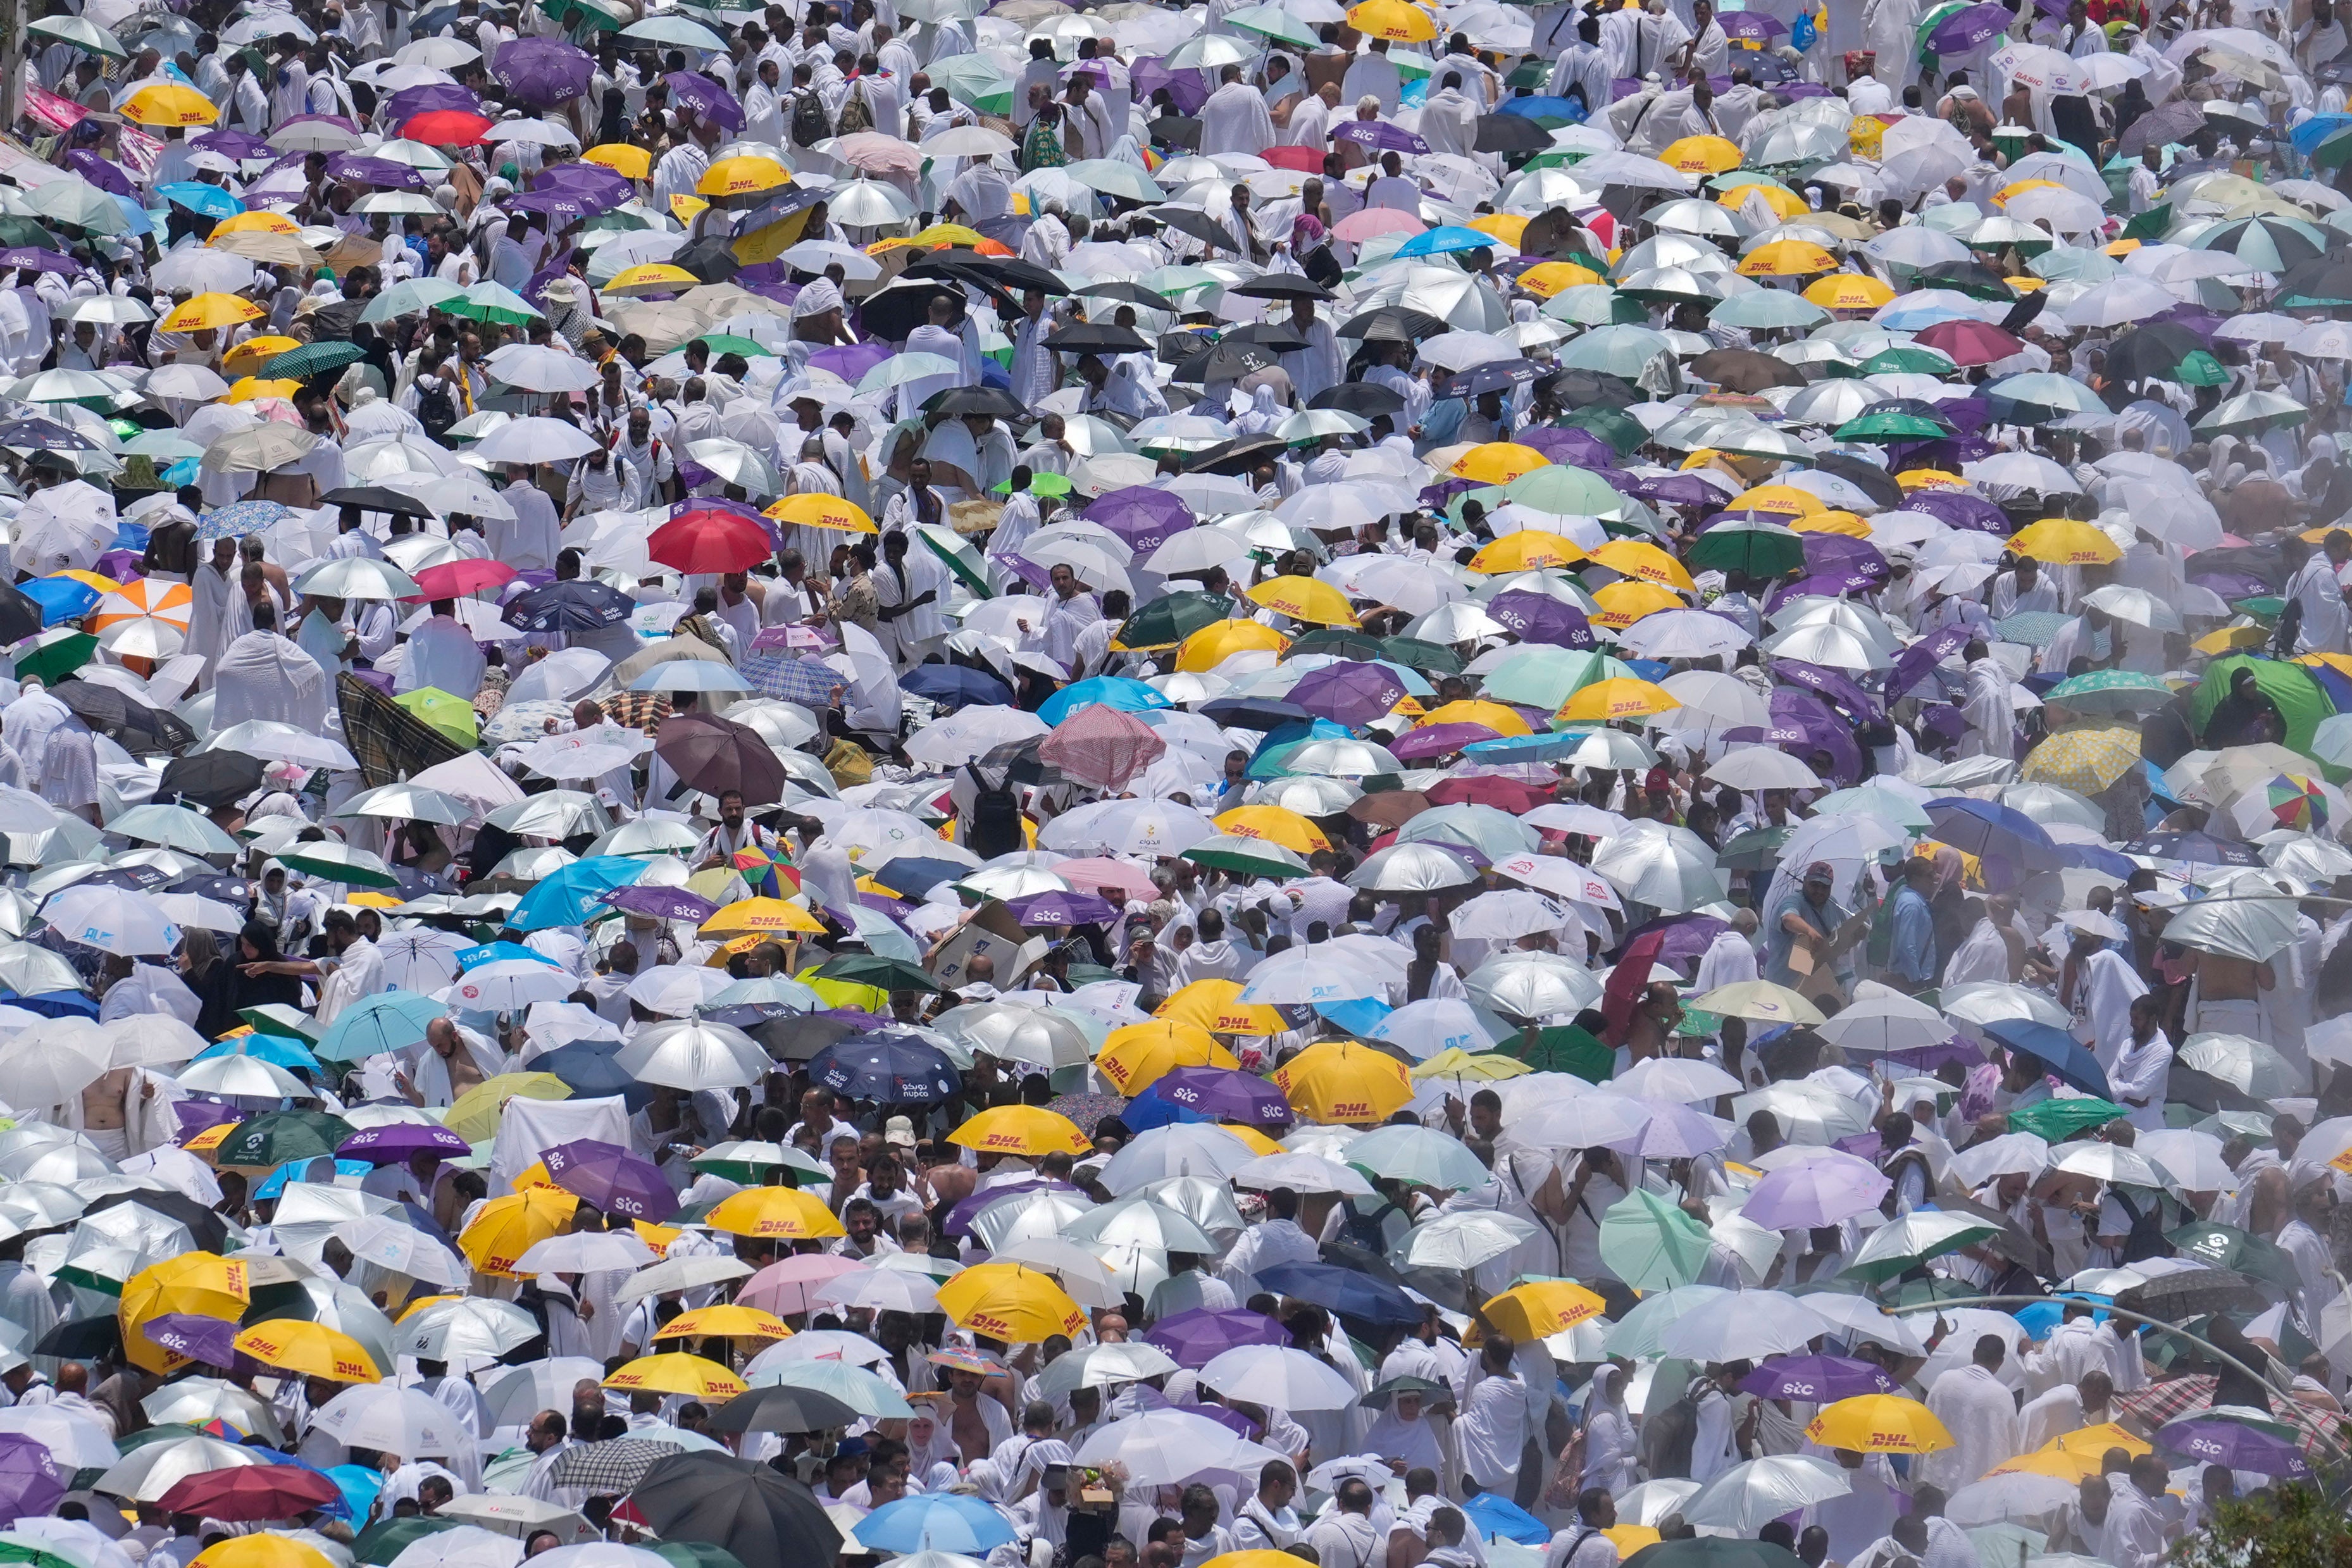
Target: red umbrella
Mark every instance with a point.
(455, 579)
(250, 1492)
(446, 128)
(1969, 342)
(1485, 789)
(1102, 747)
(709, 540)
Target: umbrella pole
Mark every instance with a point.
(2210, 1348)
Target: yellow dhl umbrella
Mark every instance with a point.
(1275, 825)
(169, 103)
(258, 221)
(741, 176)
(1547, 278)
(1844, 523)
(1784, 203)
(1701, 155)
(1528, 550)
(1622, 697)
(1631, 558)
(1930, 479)
(210, 1139)
(657, 1237)
(683, 207)
(2027, 285)
(416, 1304)
(195, 1282)
(1213, 645)
(1503, 721)
(1508, 227)
(1008, 1302)
(950, 234)
(1879, 1424)
(314, 1350)
(2096, 1441)
(473, 1115)
(1628, 1539)
(725, 1321)
(253, 389)
(1783, 501)
(2065, 541)
(2001, 197)
(203, 311)
(512, 1224)
(759, 916)
(2228, 639)
(674, 1371)
(1341, 1083)
(1393, 20)
(1259, 1143)
(260, 1551)
(1849, 291)
(650, 277)
(1216, 1005)
(1028, 1131)
(1498, 462)
(1787, 258)
(1541, 1307)
(2085, 758)
(1303, 599)
(823, 511)
(1138, 1056)
(780, 1213)
(1486, 1066)
(2059, 1464)
(621, 158)
(250, 355)
(1623, 603)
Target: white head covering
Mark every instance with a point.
(816, 299)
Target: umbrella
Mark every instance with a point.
(714, 755)
(1650, 1243)
(751, 1510)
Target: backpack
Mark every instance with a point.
(995, 828)
(1668, 1437)
(437, 407)
(809, 126)
(2145, 1238)
(857, 114)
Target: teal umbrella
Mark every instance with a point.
(2111, 691)
(571, 896)
(1650, 1243)
(389, 1021)
(313, 358)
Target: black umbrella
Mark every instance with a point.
(1395, 323)
(1267, 713)
(1198, 225)
(2173, 122)
(2194, 1293)
(2325, 282)
(577, 605)
(1097, 338)
(785, 1032)
(712, 259)
(1864, 476)
(1281, 286)
(889, 316)
(123, 719)
(210, 1229)
(1973, 279)
(1176, 347)
(45, 434)
(1021, 763)
(1007, 272)
(1280, 336)
(2152, 352)
(991, 401)
(1586, 388)
(234, 891)
(1238, 456)
(1510, 133)
(1225, 361)
(20, 617)
(1176, 130)
(755, 1510)
(134, 879)
(1127, 293)
(376, 497)
(779, 1409)
(1495, 375)
(1361, 398)
(83, 1338)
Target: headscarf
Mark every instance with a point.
(816, 299)
(2310, 481)
(1950, 866)
(1305, 232)
(1264, 414)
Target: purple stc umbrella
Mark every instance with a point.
(1817, 1379)
(30, 1482)
(412, 101)
(1567, 445)
(611, 1178)
(1185, 88)
(100, 173)
(1225, 1094)
(1823, 730)
(607, 188)
(1196, 1338)
(1838, 688)
(1380, 136)
(212, 1341)
(1678, 490)
(1145, 519)
(851, 362)
(1959, 509)
(564, 206)
(1057, 907)
(1540, 618)
(394, 1141)
(2217, 1440)
(692, 91)
(33, 259)
(384, 174)
(1688, 936)
(1753, 26)
(1348, 693)
(1913, 663)
(236, 144)
(1834, 555)
(660, 903)
(543, 72)
(1438, 741)
(1970, 28)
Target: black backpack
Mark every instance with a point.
(2145, 1238)
(1668, 1437)
(437, 407)
(809, 124)
(995, 817)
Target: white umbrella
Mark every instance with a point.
(1278, 1375)
(407, 1422)
(1670, 868)
(1767, 1323)
(467, 1546)
(694, 1053)
(1301, 1173)
(1526, 985)
(1744, 1497)
(1105, 1366)
(1305, 976)
(1167, 1447)
(151, 1470)
(1761, 768)
(532, 441)
(474, 1329)
(1181, 1149)
(1463, 1240)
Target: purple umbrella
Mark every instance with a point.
(1540, 618)
(543, 72)
(1057, 907)
(608, 188)
(1143, 517)
(394, 1142)
(195, 1115)
(33, 259)
(1185, 88)
(611, 1178)
(851, 362)
(1226, 1095)
(1816, 1194)
(1688, 936)
(1754, 26)
(1968, 414)
(1827, 586)
(535, 290)
(1959, 509)
(1348, 693)
(2217, 1440)
(1196, 1338)
(1913, 663)
(235, 145)
(1678, 490)
(706, 97)
(100, 173)
(2232, 585)
(1757, 735)
(1823, 730)
(660, 903)
(30, 1484)
(1817, 1379)
(566, 206)
(1970, 28)
(1838, 688)
(1380, 136)
(959, 1220)
(353, 169)
(412, 101)
(1567, 445)
(1834, 555)
(1438, 741)
(212, 1341)
(2196, 318)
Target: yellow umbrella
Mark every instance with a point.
(1138, 1056)
(1393, 20)
(169, 103)
(1486, 1067)
(1784, 203)
(90, 579)
(2228, 639)
(675, 1371)
(1508, 227)
(1008, 1302)
(250, 355)
(683, 207)
(198, 1282)
(2065, 541)
(950, 234)
(473, 1115)
(741, 176)
(2001, 197)
(1547, 278)
(1702, 155)
(1787, 258)
(210, 311)
(1784, 500)
(650, 277)
(1342, 1081)
(253, 388)
(511, 1226)
(760, 916)
(1622, 697)
(1759, 1001)
(260, 1551)
(823, 511)
(1844, 523)
(1541, 1307)
(2085, 758)
(1631, 558)
(1259, 1141)
(1528, 550)
(1849, 291)
(1252, 1560)
(1623, 604)
(2027, 285)
(780, 1213)
(314, 1350)
(1303, 599)
(1503, 721)
(2057, 1463)
(1216, 1005)
(1213, 644)
(1879, 1424)
(1028, 1131)
(258, 221)
(416, 1304)
(1275, 825)
(1498, 462)
(725, 1322)
(1628, 1539)
(2094, 1441)
(1930, 479)
(621, 158)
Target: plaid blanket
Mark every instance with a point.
(2325, 1438)
(390, 742)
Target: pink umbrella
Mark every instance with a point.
(1101, 746)
(1371, 223)
(1108, 877)
(784, 1289)
(1823, 1189)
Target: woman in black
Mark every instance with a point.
(230, 990)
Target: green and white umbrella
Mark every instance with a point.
(80, 203)
(82, 34)
(1113, 178)
(1273, 22)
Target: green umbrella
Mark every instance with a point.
(2056, 1120)
(975, 80)
(1541, 676)
(1566, 1048)
(1169, 620)
(2250, 414)
(1896, 1249)
(378, 1544)
(388, 1021)
(487, 302)
(2111, 691)
(1340, 642)
(732, 343)
(873, 969)
(696, 1554)
(1562, 492)
(412, 298)
(2199, 368)
(1893, 424)
(1620, 429)
(2152, 225)
(1901, 357)
(84, 36)
(1429, 657)
(340, 863)
(2300, 702)
(313, 358)
(960, 558)
(1761, 550)
(277, 1136)
(80, 203)
(753, 1164)
(1758, 850)
(1249, 856)
(28, 232)
(1651, 1244)
(2227, 1246)
(55, 654)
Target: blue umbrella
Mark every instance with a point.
(1496, 1515)
(887, 1067)
(238, 519)
(1447, 237)
(569, 897)
(573, 606)
(1342, 1290)
(1541, 108)
(1984, 827)
(2068, 1059)
(209, 201)
(274, 1185)
(956, 686)
(1109, 690)
(1537, 748)
(390, 1021)
(934, 1522)
(498, 953)
(589, 1067)
(275, 1049)
(61, 598)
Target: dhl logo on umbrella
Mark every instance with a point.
(1003, 1141)
(996, 1328)
(1347, 1109)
